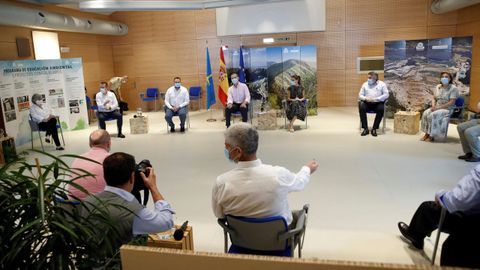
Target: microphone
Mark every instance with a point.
(178, 234)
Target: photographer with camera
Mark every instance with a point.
(131, 218)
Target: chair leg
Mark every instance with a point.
(61, 133)
(225, 236)
(440, 225)
(41, 143)
(31, 137)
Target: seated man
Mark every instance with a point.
(469, 132)
(465, 198)
(129, 216)
(372, 96)
(176, 102)
(100, 143)
(238, 100)
(108, 108)
(254, 189)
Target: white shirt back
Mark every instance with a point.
(257, 190)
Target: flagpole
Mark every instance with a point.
(211, 119)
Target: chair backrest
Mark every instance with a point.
(258, 233)
(152, 92)
(195, 91)
(459, 101)
(33, 125)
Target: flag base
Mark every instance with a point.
(211, 120)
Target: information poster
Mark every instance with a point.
(60, 83)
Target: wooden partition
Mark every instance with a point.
(151, 258)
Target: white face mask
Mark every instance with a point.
(39, 102)
(103, 90)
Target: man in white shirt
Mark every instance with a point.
(238, 99)
(176, 102)
(129, 216)
(108, 108)
(372, 97)
(254, 189)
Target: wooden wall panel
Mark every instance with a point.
(366, 14)
(437, 31)
(330, 48)
(331, 88)
(470, 26)
(335, 15)
(205, 24)
(362, 43)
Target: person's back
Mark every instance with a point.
(100, 146)
(254, 189)
(120, 211)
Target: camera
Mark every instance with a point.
(139, 184)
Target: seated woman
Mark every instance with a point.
(43, 116)
(295, 102)
(443, 102)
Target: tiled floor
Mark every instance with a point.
(363, 187)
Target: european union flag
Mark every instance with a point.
(241, 73)
(209, 80)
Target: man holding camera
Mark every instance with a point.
(129, 217)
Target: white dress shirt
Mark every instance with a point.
(257, 190)
(377, 91)
(102, 98)
(147, 220)
(465, 197)
(238, 94)
(174, 97)
(40, 114)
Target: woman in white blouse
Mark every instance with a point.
(43, 116)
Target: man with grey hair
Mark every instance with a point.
(100, 144)
(254, 189)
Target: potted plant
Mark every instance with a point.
(41, 229)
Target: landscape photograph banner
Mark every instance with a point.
(412, 70)
(60, 84)
(268, 71)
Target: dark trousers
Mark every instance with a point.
(102, 116)
(425, 220)
(460, 249)
(377, 107)
(181, 113)
(51, 129)
(236, 108)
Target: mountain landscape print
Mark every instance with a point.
(268, 72)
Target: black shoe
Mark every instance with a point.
(120, 135)
(466, 156)
(472, 159)
(374, 132)
(47, 139)
(404, 230)
(60, 148)
(182, 129)
(172, 129)
(365, 132)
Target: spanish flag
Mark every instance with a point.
(222, 80)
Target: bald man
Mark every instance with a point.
(100, 143)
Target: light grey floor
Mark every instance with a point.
(363, 187)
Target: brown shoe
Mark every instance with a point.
(429, 139)
(426, 136)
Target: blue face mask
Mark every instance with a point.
(292, 83)
(177, 85)
(371, 81)
(445, 81)
(227, 154)
(235, 81)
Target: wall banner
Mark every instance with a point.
(61, 84)
(413, 67)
